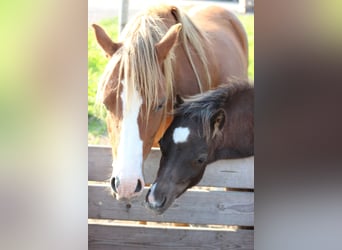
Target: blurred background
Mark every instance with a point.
(44, 124)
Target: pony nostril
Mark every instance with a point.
(114, 182)
(139, 187)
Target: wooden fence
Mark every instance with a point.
(216, 214)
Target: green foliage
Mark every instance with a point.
(248, 23)
(97, 62)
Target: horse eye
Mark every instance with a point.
(160, 105)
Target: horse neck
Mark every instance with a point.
(185, 80)
(238, 131)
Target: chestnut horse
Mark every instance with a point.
(216, 125)
(161, 53)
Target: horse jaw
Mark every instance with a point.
(127, 167)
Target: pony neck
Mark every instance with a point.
(238, 130)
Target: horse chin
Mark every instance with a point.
(123, 199)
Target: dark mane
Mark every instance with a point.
(202, 106)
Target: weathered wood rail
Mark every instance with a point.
(217, 214)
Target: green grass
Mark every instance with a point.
(96, 64)
(97, 61)
(248, 23)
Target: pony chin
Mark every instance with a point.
(158, 210)
(164, 203)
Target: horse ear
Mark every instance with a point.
(105, 42)
(217, 121)
(164, 46)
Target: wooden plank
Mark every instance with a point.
(225, 173)
(230, 173)
(193, 207)
(104, 237)
(99, 163)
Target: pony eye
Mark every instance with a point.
(202, 159)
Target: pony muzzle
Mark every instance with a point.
(153, 201)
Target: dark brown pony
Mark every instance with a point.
(216, 125)
(162, 52)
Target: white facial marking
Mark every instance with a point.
(128, 165)
(180, 135)
(151, 198)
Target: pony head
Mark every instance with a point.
(218, 124)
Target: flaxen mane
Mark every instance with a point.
(202, 106)
(137, 59)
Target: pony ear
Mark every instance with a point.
(179, 101)
(164, 46)
(217, 121)
(105, 42)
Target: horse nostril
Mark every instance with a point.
(114, 182)
(139, 187)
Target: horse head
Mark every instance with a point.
(136, 91)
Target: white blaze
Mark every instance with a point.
(128, 165)
(180, 135)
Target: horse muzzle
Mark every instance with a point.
(126, 188)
